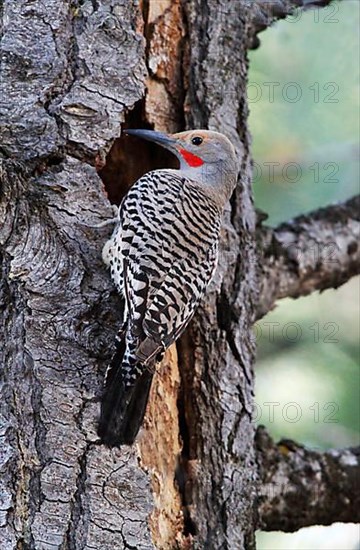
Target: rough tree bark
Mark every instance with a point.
(72, 74)
(312, 252)
(313, 487)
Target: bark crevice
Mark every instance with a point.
(75, 536)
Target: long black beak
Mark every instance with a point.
(157, 137)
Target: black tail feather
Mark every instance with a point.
(123, 407)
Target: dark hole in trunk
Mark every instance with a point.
(130, 157)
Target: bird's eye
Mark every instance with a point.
(197, 140)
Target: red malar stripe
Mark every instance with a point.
(192, 160)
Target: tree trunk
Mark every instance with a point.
(72, 75)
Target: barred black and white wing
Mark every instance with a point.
(169, 242)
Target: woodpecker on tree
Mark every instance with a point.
(162, 255)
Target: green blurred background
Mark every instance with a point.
(304, 100)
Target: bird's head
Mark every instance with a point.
(206, 156)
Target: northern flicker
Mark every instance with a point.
(162, 255)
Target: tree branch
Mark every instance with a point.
(264, 13)
(312, 252)
(301, 487)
